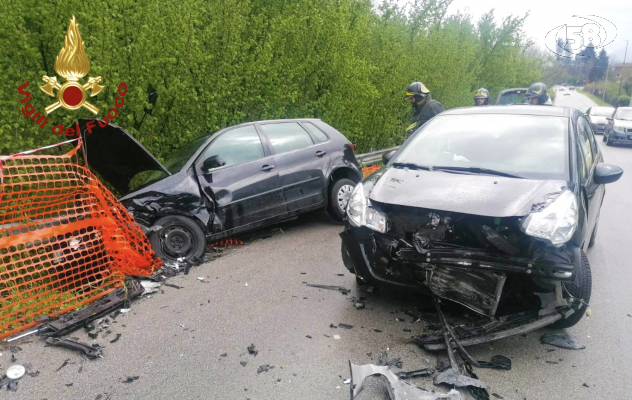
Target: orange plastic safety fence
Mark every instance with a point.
(64, 239)
(366, 171)
(226, 243)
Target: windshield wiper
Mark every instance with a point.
(478, 170)
(411, 166)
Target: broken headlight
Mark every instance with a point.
(360, 212)
(556, 223)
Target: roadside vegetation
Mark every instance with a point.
(214, 64)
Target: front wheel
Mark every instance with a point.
(580, 289)
(339, 197)
(178, 237)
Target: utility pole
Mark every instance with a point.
(623, 68)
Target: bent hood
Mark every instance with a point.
(484, 195)
(115, 155)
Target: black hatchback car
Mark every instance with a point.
(489, 207)
(236, 179)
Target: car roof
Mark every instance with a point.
(552, 111)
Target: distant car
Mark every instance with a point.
(619, 127)
(598, 118)
(561, 89)
(227, 182)
(511, 96)
(489, 207)
(567, 94)
(571, 88)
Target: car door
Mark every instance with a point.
(246, 189)
(302, 163)
(591, 155)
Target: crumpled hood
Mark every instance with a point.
(598, 119)
(484, 195)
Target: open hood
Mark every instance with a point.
(484, 195)
(115, 155)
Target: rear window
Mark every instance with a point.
(317, 133)
(529, 146)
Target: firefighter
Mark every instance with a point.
(537, 94)
(481, 98)
(424, 107)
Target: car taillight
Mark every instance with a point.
(352, 146)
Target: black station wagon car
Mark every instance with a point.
(236, 179)
(488, 207)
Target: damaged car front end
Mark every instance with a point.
(488, 211)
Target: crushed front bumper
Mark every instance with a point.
(381, 259)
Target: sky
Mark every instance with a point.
(545, 15)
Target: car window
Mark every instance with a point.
(586, 145)
(526, 145)
(624, 114)
(236, 146)
(318, 134)
(601, 111)
(287, 136)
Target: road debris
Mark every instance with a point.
(337, 337)
(171, 285)
(264, 368)
(118, 336)
(15, 371)
(90, 351)
(131, 379)
(149, 286)
(497, 362)
(561, 340)
(340, 289)
(243, 363)
(397, 389)
(415, 374)
(497, 396)
(252, 351)
(345, 326)
(66, 362)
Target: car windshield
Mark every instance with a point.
(512, 97)
(176, 161)
(528, 146)
(624, 114)
(601, 111)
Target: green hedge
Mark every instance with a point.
(218, 63)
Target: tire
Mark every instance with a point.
(582, 291)
(338, 197)
(178, 237)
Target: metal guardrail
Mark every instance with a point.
(374, 156)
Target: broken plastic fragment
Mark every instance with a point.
(16, 371)
(416, 374)
(125, 310)
(337, 337)
(564, 341)
(397, 389)
(118, 336)
(200, 278)
(264, 368)
(252, 351)
(497, 362)
(243, 363)
(131, 379)
(345, 326)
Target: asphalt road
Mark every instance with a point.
(174, 341)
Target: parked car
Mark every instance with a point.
(598, 118)
(489, 207)
(619, 127)
(511, 96)
(571, 88)
(561, 89)
(227, 182)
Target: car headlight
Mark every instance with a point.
(556, 223)
(619, 129)
(360, 212)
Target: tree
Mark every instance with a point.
(598, 69)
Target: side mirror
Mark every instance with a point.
(607, 173)
(386, 157)
(213, 162)
(609, 118)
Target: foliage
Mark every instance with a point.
(214, 64)
(623, 101)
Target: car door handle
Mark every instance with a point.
(320, 153)
(267, 167)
